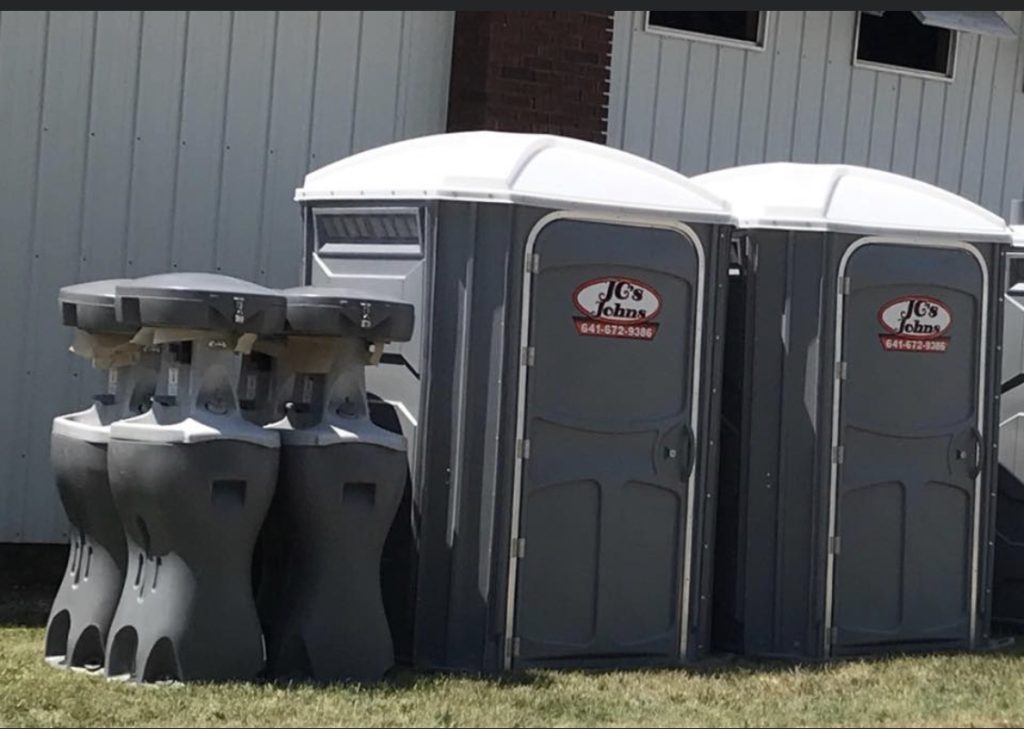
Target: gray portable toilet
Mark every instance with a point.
(559, 393)
(192, 480)
(1008, 575)
(80, 617)
(860, 413)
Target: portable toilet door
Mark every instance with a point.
(907, 439)
(561, 391)
(873, 334)
(604, 492)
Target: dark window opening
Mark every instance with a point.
(897, 38)
(740, 25)
(1016, 271)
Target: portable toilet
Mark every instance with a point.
(861, 396)
(559, 393)
(1008, 575)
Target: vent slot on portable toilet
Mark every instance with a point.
(353, 232)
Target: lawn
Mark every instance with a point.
(976, 690)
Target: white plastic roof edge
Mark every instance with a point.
(848, 198)
(1018, 235)
(506, 167)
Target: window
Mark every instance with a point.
(1015, 270)
(897, 40)
(740, 27)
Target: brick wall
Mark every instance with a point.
(531, 71)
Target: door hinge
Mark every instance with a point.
(838, 453)
(520, 547)
(840, 370)
(523, 448)
(512, 646)
(528, 357)
(833, 545)
(534, 265)
(844, 288)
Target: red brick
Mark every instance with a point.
(535, 71)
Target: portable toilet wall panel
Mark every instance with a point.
(559, 395)
(1008, 571)
(859, 416)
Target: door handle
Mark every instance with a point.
(689, 452)
(975, 453)
(690, 448)
(969, 452)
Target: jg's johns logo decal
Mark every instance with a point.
(915, 324)
(616, 307)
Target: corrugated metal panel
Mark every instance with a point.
(137, 142)
(696, 105)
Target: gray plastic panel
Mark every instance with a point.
(90, 306)
(191, 514)
(201, 301)
(908, 427)
(608, 417)
(462, 469)
(76, 632)
(336, 504)
(336, 312)
(774, 466)
(389, 272)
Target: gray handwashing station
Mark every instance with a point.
(341, 480)
(82, 611)
(192, 480)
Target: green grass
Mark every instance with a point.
(973, 690)
(937, 690)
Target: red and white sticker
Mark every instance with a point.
(617, 307)
(915, 324)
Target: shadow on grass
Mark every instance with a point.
(24, 608)
(31, 574)
(715, 665)
(727, 664)
(29, 577)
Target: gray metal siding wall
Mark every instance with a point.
(696, 105)
(138, 142)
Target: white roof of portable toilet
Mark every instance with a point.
(1018, 235)
(538, 169)
(848, 198)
